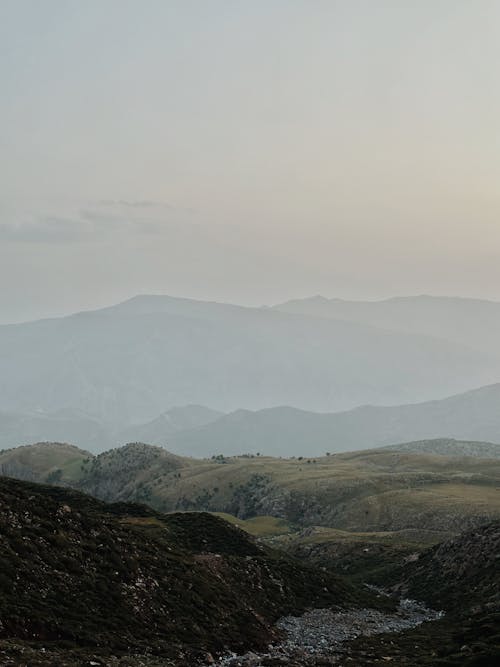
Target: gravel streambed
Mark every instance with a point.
(317, 637)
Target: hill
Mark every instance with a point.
(450, 447)
(124, 364)
(129, 472)
(462, 577)
(43, 462)
(375, 490)
(460, 573)
(83, 582)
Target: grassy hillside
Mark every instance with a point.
(369, 491)
(364, 557)
(82, 581)
(450, 447)
(44, 462)
(259, 526)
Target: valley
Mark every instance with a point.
(122, 585)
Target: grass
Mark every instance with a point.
(368, 491)
(259, 526)
(72, 469)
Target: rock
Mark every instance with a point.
(317, 638)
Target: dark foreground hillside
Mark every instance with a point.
(82, 581)
(461, 573)
(462, 577)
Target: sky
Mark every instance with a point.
(247, 151)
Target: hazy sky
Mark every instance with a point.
(247, 151)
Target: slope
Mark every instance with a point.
(88, 583)
(367, 491)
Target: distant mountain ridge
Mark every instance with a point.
(284, 431)
(465, 424)
(471, 322)
(90, 433)
(171, 421)
(123, 364)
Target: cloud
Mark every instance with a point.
(94, 223)
(111, 221)
(141, 203)
(44, 230)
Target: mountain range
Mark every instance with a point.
(195, 430)
(474, 323)
(126, 364)
(285, 431)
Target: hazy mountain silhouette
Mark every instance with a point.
(284, 431)
(471, 322)
(126, 363)
(171, 421)
(63, 425)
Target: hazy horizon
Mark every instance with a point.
(100, 306)
(247, 152)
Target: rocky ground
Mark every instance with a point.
(319, 637)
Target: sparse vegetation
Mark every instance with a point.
(371, 491)
(82, 577)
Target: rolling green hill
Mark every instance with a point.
(44, 462)
(375, 490)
